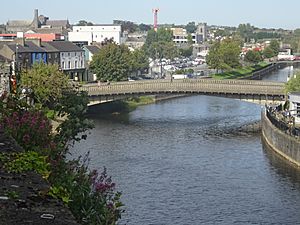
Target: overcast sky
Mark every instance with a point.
(260, 13)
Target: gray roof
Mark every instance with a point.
(92, 48)
(48, 47)
(58, 23)
(65, 46)
(20, 48)
(18, 23)
(4, 59)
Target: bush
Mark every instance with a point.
(31, 129)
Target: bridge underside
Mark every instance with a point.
(255, 98)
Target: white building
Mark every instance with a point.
(72, 59)
(86, 35)
(294, 99)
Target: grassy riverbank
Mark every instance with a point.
(240, 72)
(119, 107)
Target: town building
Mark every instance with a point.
(40, 25)
(294, 99)
(135, 40)
(89, 52)
(24, 53)
(43, 37)
(86, 35)
(180, 35)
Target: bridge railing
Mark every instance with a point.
(187, 86)
(282, 122)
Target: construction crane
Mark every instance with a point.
(155, 13)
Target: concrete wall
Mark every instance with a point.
(95, 33)
(282, 143)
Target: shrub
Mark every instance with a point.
(31, 129)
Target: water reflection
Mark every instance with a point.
(281, 166)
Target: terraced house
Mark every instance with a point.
(24, 53)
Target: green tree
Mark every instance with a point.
(165, 35)
(268, 52)
(144, 27)
(140, 61)
(293, 85)
(112, 63)
(224, 55)
(186, 52)
(84, 23)
(160, 44)
(190, 40)
(274, 45)
(246, 31)
(253, 56)
(46, 82)
(191, 27)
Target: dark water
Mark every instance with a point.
(179, 162)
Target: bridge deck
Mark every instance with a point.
(201, 86)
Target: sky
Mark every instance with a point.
(260, 13)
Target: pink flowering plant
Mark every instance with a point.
(29, 127)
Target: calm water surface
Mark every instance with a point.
(183, 161)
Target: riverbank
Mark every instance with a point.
(23, 196)
(126, 106)
(241, 72)
(282, 143)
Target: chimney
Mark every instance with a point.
(36, 19)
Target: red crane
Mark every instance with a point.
(155, 12)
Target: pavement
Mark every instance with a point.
(23, 198)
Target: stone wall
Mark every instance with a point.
(284, 144)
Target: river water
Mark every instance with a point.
(182, 161)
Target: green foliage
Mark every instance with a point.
(28, 161)
(293, 85)
(240, 72)
(128, 26)
(246, 31)
(113, 63)
(253, 56)
(144, 27)
(140, 61)
(191, 27)
(186, 52)
(89, 195)
(60, 192)
(73, 106)
(84, 23)
(268, 52)
(190, 40)
(160, 44)
(13, 194)
(224, 55)
(31, 129)
(47, 83)
(274, 45)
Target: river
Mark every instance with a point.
(182, 161)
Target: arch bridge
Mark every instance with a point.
(251, 90)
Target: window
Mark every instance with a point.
(69, 65)
(75, 64)
(63, 65)
(69, 54)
